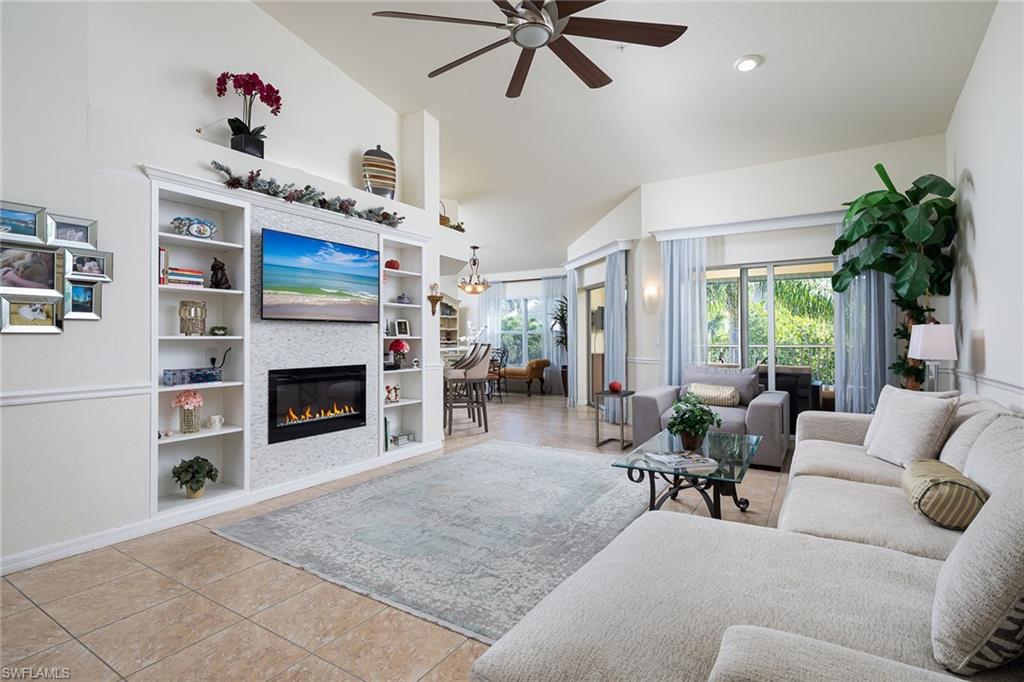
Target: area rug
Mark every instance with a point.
(471, 541)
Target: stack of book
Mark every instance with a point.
(184, 277)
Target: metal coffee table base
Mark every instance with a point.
(678, 483)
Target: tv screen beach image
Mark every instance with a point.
(313, 279)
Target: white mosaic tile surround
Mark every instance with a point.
(276, 344)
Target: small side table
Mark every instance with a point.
(623, 405)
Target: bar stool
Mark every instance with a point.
(467, 387)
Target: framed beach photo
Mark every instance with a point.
(64, 230)
(31, 270)
(22, 223)
(82, 300)
(86, 265)
(30, 314)
(402, 328)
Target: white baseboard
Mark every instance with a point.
(60, 550)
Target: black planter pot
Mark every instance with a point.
(247, 144)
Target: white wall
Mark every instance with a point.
(89, 92)
(985, 149)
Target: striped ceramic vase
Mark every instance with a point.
(379, 172)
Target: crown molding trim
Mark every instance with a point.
(599, 253)
(748, 226)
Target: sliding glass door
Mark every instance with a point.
(778, 317)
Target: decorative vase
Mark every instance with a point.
(399, 360)
(188, 420)
(247, 144)
(193, 495)
(692, 441)
(192, 318)
(379, 172)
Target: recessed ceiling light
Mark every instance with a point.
(748, 62)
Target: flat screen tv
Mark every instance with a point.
(305, 278)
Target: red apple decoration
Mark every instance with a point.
(392, 264)
(615, 387)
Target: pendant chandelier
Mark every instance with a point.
(474, 284)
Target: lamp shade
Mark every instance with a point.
(932, 342)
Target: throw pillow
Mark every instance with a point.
(978, 610)
(912, 427)
(745, 380)
(720, 396)
(942, 494)
(997, 453)
(883, 399)
(960, 442)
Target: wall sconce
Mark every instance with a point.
(434, 297)
(651, 298)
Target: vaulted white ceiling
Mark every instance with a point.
(531, 174)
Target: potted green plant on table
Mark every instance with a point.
(691, 420)
(908, 235)
(192, 474)
(560, 328)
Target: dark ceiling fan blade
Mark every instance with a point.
(533, 5)
(580, 64)
(515, 86)
(567, 8)
(506, 8)
(431, 17)
(471, 55)
(638, 32)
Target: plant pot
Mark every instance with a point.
(692, 441)
(400, 360)
(565, 379)
(247, 144)
(194, 495)
(188, 420)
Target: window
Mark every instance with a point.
(522, 329)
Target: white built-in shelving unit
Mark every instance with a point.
(405, 416)
(227, 447)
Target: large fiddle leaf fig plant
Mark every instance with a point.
(907, 235)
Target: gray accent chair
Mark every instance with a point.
(761, 413)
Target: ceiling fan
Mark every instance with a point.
(533, 24)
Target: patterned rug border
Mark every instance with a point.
(367, 592)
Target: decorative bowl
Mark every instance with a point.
(189, 226)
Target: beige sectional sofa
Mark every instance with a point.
(855, 585)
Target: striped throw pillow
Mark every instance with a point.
(720, 396)
(942, 494)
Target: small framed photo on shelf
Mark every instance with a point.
(86, 265)
(22, 223)
(27, 314)
(64, 230)
(31, 270)
(402, 328)
(82, 300)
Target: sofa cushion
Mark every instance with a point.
(860, 512)
(978, 614)
(734, 419)
(942, 494)
(913, 427)
(714, 394)
(628, 615)
(744, 380)
(958, 445)
(883, 399)
(841, 460)
(997, 454)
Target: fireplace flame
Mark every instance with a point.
(307, 413)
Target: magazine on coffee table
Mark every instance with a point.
(691, 462)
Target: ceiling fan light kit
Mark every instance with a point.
(535, 24)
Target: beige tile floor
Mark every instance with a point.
(186, 604)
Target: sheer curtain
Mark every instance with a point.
(614, 328)
(571, 286)
(865, 347)
(491, 302)
(684, 320)
(552, 290)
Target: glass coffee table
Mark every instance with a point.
(732, 452)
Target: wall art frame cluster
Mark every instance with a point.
(51, 269)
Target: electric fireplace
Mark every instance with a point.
(310, 401)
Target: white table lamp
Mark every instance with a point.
(931, 343)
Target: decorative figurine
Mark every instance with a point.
(218, 276)
(403, 298)
(389, 398)
(218, 331)
(416, 363)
